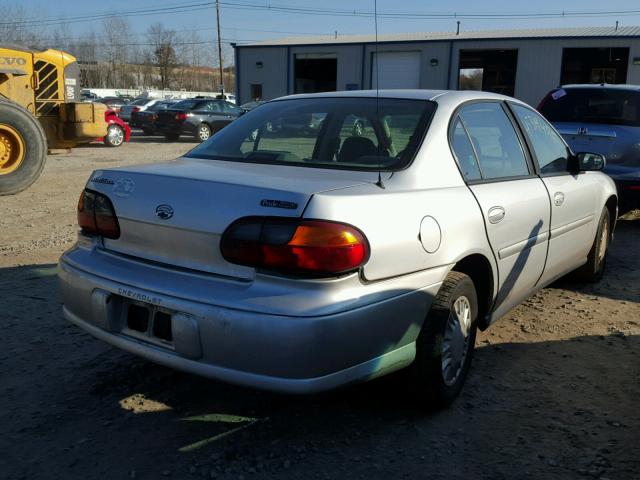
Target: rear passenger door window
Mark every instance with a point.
(464, 153)
(550, 150)
(496, 145)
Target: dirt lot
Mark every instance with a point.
(554, 391)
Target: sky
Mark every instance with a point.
(242, 22)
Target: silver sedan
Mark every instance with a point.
(299, 259)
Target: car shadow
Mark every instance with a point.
(140, 137)
(621, 278)
(557, 408)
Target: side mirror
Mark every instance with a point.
(587, 162)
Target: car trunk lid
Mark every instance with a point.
(175, 213)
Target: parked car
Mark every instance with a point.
(604, 119)
(137, 105)
(118, 132)
(113, 103)
(247, 107)
(88, 96)
(146, 119)
(301, 264)
(199, 118)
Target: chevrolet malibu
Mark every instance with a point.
(301, 261)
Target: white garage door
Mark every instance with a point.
(396, 70)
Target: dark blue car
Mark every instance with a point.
(602, 119)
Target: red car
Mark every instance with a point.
(118, 132)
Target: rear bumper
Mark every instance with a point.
(288, 353)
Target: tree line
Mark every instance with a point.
(113, 56)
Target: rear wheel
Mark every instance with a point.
(593, 270)
(115, 136)
(23, 148)
(203, 133)
(444, 348)
(172, 137)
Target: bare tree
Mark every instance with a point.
(163, 52)
(18, 30)
(116, 33)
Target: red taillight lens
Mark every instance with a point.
(154, 117)
(96, 215)
(631, 187)
(135, 109)
(181, 116)
(304, 247)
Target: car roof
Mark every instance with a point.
(448, 96)
(605, 86)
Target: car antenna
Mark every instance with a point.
(379, 183)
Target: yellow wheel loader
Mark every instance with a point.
(40, 109)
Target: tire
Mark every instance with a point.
(438, 373)
(20, 130)
(593, 270)
(115, 136)
(172, 137)
(203, 133)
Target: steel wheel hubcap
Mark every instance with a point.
(12, 149)
(116, 135)
(204, 133)
(456, 340)
(604, 239)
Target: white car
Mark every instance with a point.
(300, 260)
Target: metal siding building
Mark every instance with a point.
(522, 63)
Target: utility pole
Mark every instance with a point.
(219, 49)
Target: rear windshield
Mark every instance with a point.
(140, 101)
(161, 106)
(185, 104)
(352, 133)
(593, 105)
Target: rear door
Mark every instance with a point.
(574, 214)
(513, 200)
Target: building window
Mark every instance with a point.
(315, 72)
(594, 65)
(488, 70)
(256, 91)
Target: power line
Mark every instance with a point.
(101, 16)
(292, 9)
(424, 15)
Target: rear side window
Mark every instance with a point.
(496, 143)
(355, 133)
(185, 105)
(593, 105)
(551, 152)
(464, 152)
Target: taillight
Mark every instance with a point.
(135, 109)
(181, 116)
(293, 246)
(154, 117)
(96, 215)
(544, 100)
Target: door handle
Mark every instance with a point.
(558, 199)
(496, 214)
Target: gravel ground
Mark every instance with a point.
(553, 393)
